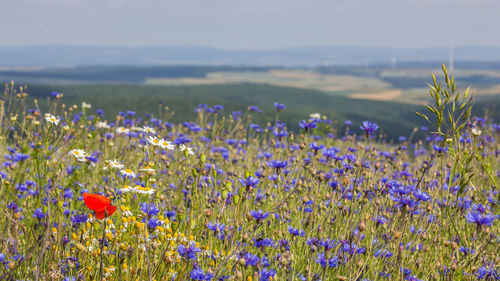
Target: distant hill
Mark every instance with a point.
(395, 119)
(51, 56)
(121, 74)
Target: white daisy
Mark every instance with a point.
(166, 145)
(315, 115)
(127, 189)
(128, 173)
(86, 105)
(476, 131)
(182, 147)
(79, 154)
(122, 130)
(147, 169)
(126, 211)
(52, 119)
(154, 140)
(149, 130)
(114, 164)
(102, 125)
(108, 271)
(144, 190)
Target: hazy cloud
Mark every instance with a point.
(251, 24)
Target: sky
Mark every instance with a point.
(251, 24)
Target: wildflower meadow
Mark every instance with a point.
(86, 196)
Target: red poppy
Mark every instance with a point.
(99, 204)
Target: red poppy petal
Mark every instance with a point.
(95, 201)
(100, 215)
(111, 210)
(105, 212)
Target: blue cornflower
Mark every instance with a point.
(255, 127)
(480, 208)
(263, 242)
(307, 210)
(328, 244)
(259, 196)
(75, 263)
(153, 223)
(308, 125)
(314, 146)
(68, 193)
(181, 140)
(380, 220)
(321, 259)
(231, 142)
(254, 109)
(277, 164)
(216, 226)
(330, 152)
(285, 244)
(265, 274)
(198, 274)
(170, 214)
(406, 272)
(280, 125)
(369, 127)
(236, 115)
(259, 215)
(92, 158)
(13, 206)
(440, 150)
(466, 250)
(20, 157)
(218, 229)
(195, 128)
(383, 253)
(280, 134)
(99, 112)
(403, 201)
(313, 242)
(79, 218)
(189, 253)
(487, 273)
(21, 187)
(251, 259)
(249, 181)
(279, 106)
(352, 248)
(480, 219)
(296, 231)
(265, 261)
(333, 262)
(150, 209)
(421, 195)
(38, 213)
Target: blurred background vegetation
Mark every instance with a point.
(382, 94)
